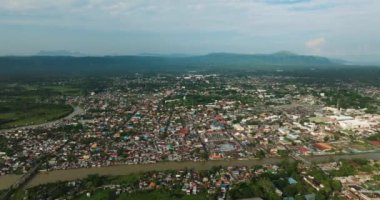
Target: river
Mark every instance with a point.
(72, 174)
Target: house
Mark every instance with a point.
(291, 181)
(303, 151)
(323, 146)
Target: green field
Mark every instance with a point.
(23, 103)
(22, 114)
(55, 89)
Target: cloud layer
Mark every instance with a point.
(192, 26)
(315, 45)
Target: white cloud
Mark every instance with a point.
(29, 5)
(316, 44)
(199, 25)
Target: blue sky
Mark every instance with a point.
(346, 29)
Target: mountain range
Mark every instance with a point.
(73, 62)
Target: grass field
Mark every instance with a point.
(23, 103)
(61, 90)
(18, 114)
(151, 195)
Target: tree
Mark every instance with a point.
(290, 190)
(320, 196)
(336, 186)
(346, 169)
(260, 154)
(94, 180)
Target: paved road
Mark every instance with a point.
(72, 174)
(77, 111)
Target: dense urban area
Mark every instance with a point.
(147, 118)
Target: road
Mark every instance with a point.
(72, 174)
(77, 111)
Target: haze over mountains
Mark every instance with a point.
(286, 57)
(60, 53)
(66, 62)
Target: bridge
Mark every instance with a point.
(25, 178)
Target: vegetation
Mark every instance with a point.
(30, 101)
(9, 146)
(352, 167)
(266, 184)
(262, 187)
(350, 99)
(35, 65)
(17, 114)
(375, 137)
(197, 99)
(93, 185)
(162, 195)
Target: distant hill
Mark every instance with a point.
(282, 58)
(165, 55)
(285, 53)
(60, 53)
(72, 63)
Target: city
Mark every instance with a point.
(189, 100)
(147, 119)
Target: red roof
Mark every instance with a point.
(303, 150)
(323, 146)
(184, 131)
(215, 156)
(218, 117)
(376, 143)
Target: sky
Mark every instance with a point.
(344, 29)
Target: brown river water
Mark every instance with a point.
(73, 174)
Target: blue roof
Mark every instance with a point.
(291, 181)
